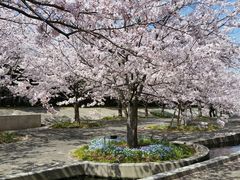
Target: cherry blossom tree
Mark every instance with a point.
(11, 53)
(196, 68)
(134, 47)
(60, 68)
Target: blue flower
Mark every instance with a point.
(99, 143)
(108, 146)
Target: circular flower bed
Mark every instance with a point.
(116, 151)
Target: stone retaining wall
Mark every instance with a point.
(16, 122)
(228, 140)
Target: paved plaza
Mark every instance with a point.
(227, 171)
(43, 148)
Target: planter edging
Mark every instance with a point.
(115, 170)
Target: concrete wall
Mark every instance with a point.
(15, 122)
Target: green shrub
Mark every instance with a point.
(8, 137)
(67, 124)
(143, 141)
(112, 118)
(161, 114)
(205, 118)
(212, 127)
(162, 127)
(188, 128)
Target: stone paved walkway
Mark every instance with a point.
(227, 171)
(46, 148)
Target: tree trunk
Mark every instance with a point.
(182, 116)
(146, 109)
(163, 108)
(76, 112)
(215, 112)
(125, 111)
(179, 115)
(13, 101)
(171, 124)
(120, 109)
(191, 113)
(199, 110)
(132, 122)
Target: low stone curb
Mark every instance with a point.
(231, 139)
(67, 171)
(180, 172)
(228, 140)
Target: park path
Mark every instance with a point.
(226, 171)
(46, 148)
(91, 113)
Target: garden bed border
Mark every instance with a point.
(183, 171)
(115, 170)
(228, 140)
